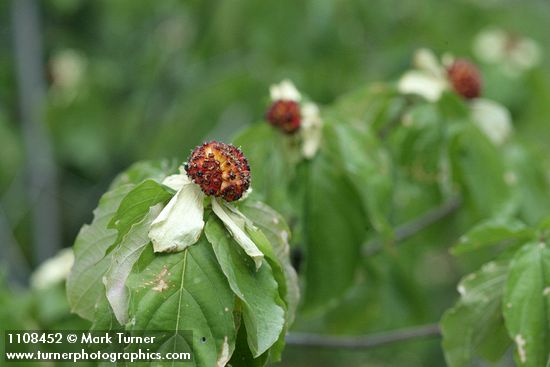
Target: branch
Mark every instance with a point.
(396, 119)
(413, 227)
(41, 167)
(362, 342)
(11, 256)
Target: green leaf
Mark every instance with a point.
(528, 179)
(374, 105)
(84, 284)
(263, 315)
(478, 168)
(242, 355)
(123, 258)
(474, 326)
(104, 318)
(273, 225)
(526, 305)
(418, 143)
(492, 232)
(136, 204)
(270, 154)
(184, 291)
(452, 106)
(367, 167)
(140, 171)
(334, 229)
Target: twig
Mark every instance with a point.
(396, 119)
(42, 173)
(411, 228)
(364, 341)
(18, 268)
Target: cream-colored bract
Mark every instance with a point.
(286, 91)
(429, 80)
(311, 125)
(54, 270)
(236, 224)
(311, 129)
(180, 224)
(493, 119)
(513, 53)
(425, 60)
(68, 68)
(423, 84)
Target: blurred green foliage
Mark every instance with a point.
(159, 77)
(153, 79)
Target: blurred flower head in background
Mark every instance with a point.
(285, 91)
(513, 53)
(432, 77)
(54, 270)
(291, 114)
(67, 68)
(493, 119)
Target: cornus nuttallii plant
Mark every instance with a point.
(179, 247)
(431, 78)
(293, 116)
(188, 251)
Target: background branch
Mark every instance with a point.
(41, 169)
(362, 342)
(411, 228)
(11, 256)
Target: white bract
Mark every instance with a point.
(310, 129)
(514, 54)
(54, 270)
(68, 68)
(492, 118)
(180, 224)
(429, 80)
(286, 91)
(311, 125)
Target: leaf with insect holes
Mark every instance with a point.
(475, 326)
(257, 289)
(184, 291)
(527, 304)
(84, 284)
(85, 289)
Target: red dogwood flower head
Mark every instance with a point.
(465, 78)
(220, 170)
(285, 115)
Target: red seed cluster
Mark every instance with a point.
(220, 170)
(285, 115)
(465, 79)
